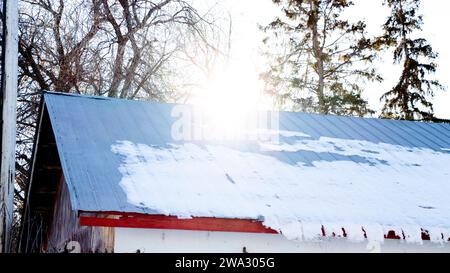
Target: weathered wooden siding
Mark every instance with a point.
(65, 229)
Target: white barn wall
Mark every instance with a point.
(181, 241)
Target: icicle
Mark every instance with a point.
(311, 231)
(413, 234)
(354, 233)
(374, 233)
(436, 234)
(446, 233)
(333, 230)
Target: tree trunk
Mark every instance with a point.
(318, 54)
(405, 85)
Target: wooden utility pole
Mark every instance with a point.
(8, 101)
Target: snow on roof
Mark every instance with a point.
(335, 172)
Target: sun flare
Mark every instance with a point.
(231, 101)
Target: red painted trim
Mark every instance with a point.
(171, 222)
(392, 235)
(137, 220)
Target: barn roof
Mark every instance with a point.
(119, 155)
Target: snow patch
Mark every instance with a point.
(392, 189)
(292, 134)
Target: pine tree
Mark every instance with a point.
(410, 98)
(318, 59)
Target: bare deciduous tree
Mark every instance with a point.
(115, 48)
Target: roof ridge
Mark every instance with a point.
(287, 112)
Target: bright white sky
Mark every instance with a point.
(246, 61)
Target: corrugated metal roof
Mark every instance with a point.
(86, 129)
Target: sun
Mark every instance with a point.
(230, 102)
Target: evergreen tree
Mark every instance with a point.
(410, 98)
(318, 59)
